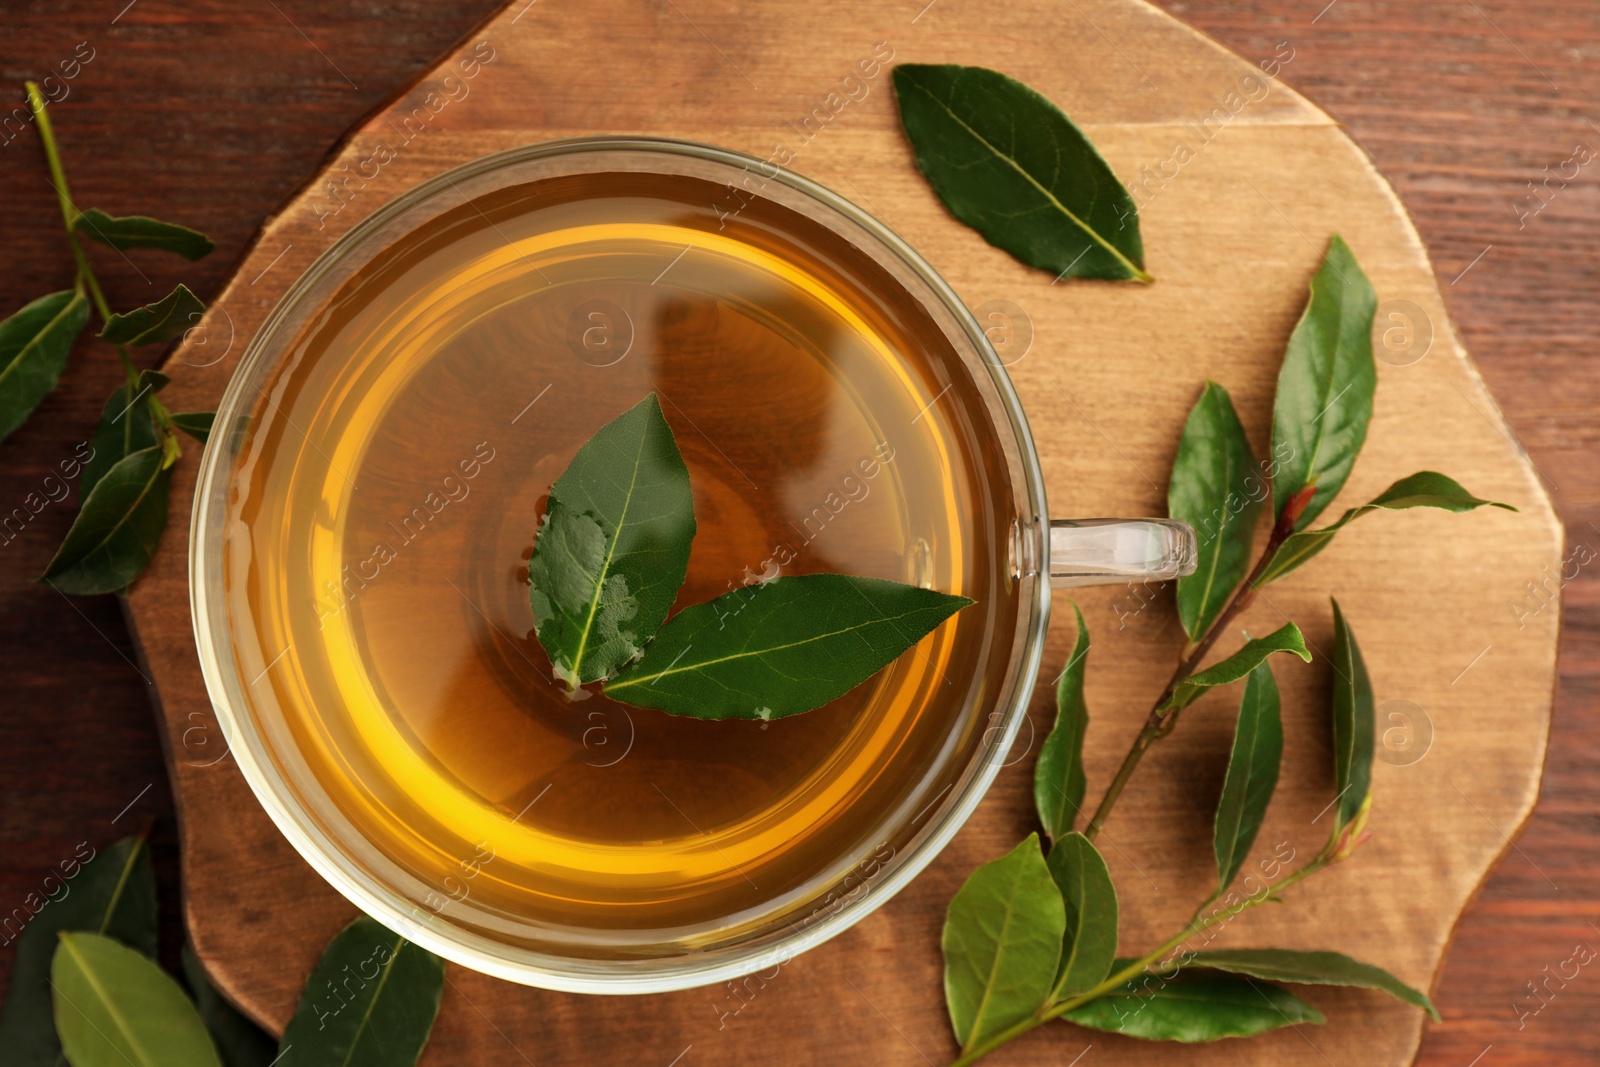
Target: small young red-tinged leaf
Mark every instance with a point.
(1089, 946)
(1252, 774)
(141, 231)
(1425, 489)
(1325, 386)
(117, 528)
(1058, 778)
(1002, 942)
(34, 345)
(156, 323)
(1217, 488)
(1192, 1005)
(1311, 968)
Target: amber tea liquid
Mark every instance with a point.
(386, 503)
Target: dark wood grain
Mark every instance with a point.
(213, 114)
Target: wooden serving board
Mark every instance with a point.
(1240, 182)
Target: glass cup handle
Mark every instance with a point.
(1113, 551)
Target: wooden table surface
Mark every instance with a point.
(212, 113)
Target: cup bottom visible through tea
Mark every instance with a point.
(387, 494)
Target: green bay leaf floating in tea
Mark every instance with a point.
(614, 547)
(782, 647)
(613, 551)
(1010, 164)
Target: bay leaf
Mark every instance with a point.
(1001, 941)
(1252, 774)
(370, 1002)
(1058, 779)
(780, 648)
(239, 1042)
(1425, 489)
(1325, 386)
(113, 893)
(116, 530)
(1010, 164)
(155, 323)
(1353, 715)
(1216, 488)
(1193, 1005)
(614, 546)
(1286, 638)
(115, 1008)
(141, 231)
(197, 424)
(127, 425)
(34, 345)
(1312, 968)
(1089, 946)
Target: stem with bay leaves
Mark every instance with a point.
(1159, 723)
(1120, 977)
(86, 277)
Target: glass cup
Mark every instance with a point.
(360, 846)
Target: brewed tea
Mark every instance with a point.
(388, 493)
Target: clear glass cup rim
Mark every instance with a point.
(701, 967)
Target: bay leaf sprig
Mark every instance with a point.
(1018, 956)
(123, 495)
(1321, 413)
(1011, 165)
(611, 554)
(999, 922)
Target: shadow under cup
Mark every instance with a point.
(372, 493)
